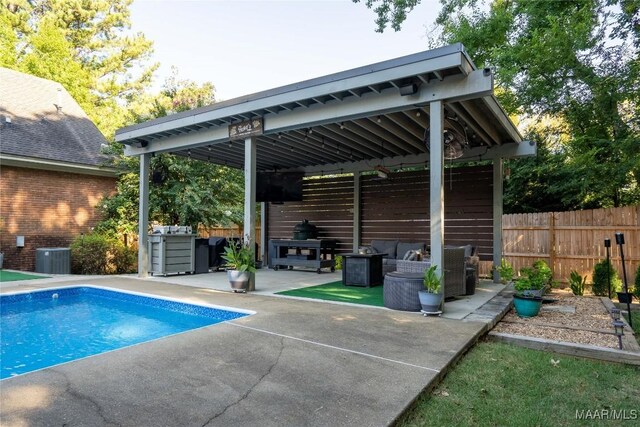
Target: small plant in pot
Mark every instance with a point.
(431, 297)
(241, 266)
(528, 297)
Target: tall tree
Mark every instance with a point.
(185, 191)
(109, 61)
(574, 61)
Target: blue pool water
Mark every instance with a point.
(46, 328)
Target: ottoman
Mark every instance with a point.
(400, 291)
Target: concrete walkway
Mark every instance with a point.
(293, 363)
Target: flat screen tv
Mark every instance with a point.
(279, 186)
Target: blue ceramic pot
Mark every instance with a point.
(527, 306)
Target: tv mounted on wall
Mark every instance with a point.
(279, 186)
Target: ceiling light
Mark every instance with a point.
(418, 113)
(341, 125)
(379, 119)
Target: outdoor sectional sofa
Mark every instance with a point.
(460, 262)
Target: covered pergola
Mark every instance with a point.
(420, 108)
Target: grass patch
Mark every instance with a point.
(336, 291)
(10, 276)
(498, 384)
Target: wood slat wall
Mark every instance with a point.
(327, 203)
(398, 208)
(573, 240)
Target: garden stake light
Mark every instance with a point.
(607, 245)
(618, 326)
(620, 242)
(615, 313)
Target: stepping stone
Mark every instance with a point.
(559, 308)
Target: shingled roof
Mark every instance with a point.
(40, 120)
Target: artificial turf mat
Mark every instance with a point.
(336, 291)
(10, 276)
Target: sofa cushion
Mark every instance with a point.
(404, 247)
(385, 247)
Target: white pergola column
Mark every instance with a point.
(497, 216)
(356, 211)
(263, 232)
(436, 184)
(143, 217)
(250, 191)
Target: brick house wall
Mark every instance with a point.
(48, 208)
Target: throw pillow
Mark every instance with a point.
(410, 255)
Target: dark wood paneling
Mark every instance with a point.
(394, 208)
(327, 203)
(398, 207)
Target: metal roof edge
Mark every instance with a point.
(366, 69)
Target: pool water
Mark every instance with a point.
(45, 328)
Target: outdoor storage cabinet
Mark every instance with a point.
(53, 260)
(172, 253)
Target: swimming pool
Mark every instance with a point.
(49, 327)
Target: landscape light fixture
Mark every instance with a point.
(618, 326)
(615, 313)
(607, 245)
(620, 242)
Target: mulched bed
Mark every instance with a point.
(590, 324)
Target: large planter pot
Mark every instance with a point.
(241, 281)
(527, 306)
(430, 302)
(625, 297)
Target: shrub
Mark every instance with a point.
(600, 278)
(338, 262)
(542, 269)
(97, 253)
(577, 283)
(505, 270)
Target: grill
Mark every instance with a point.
(304, 231)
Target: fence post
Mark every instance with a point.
(552, 244)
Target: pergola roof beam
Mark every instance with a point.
(361, 145)
(405, 132)
(487, 127)
(376, 134)
(385, 148)
(470, 122)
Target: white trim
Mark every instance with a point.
(56, 166)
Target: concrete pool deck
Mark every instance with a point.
(294, 362)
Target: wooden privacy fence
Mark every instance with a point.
(572, 240)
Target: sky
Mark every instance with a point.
(244, 47)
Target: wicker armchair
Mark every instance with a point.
(454, 271)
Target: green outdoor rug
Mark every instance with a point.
(336, 291)
(10, 276)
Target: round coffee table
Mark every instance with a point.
(400, 291)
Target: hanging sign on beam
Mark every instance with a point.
(252, 127)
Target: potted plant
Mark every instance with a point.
(241, 266)
(529, 290)
(577, 283)
(431, 297)
(526, 303)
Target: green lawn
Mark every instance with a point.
(498, 384)
(336, 291)
(10, 276)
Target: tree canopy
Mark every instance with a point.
(89, 48)
(570, 70)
